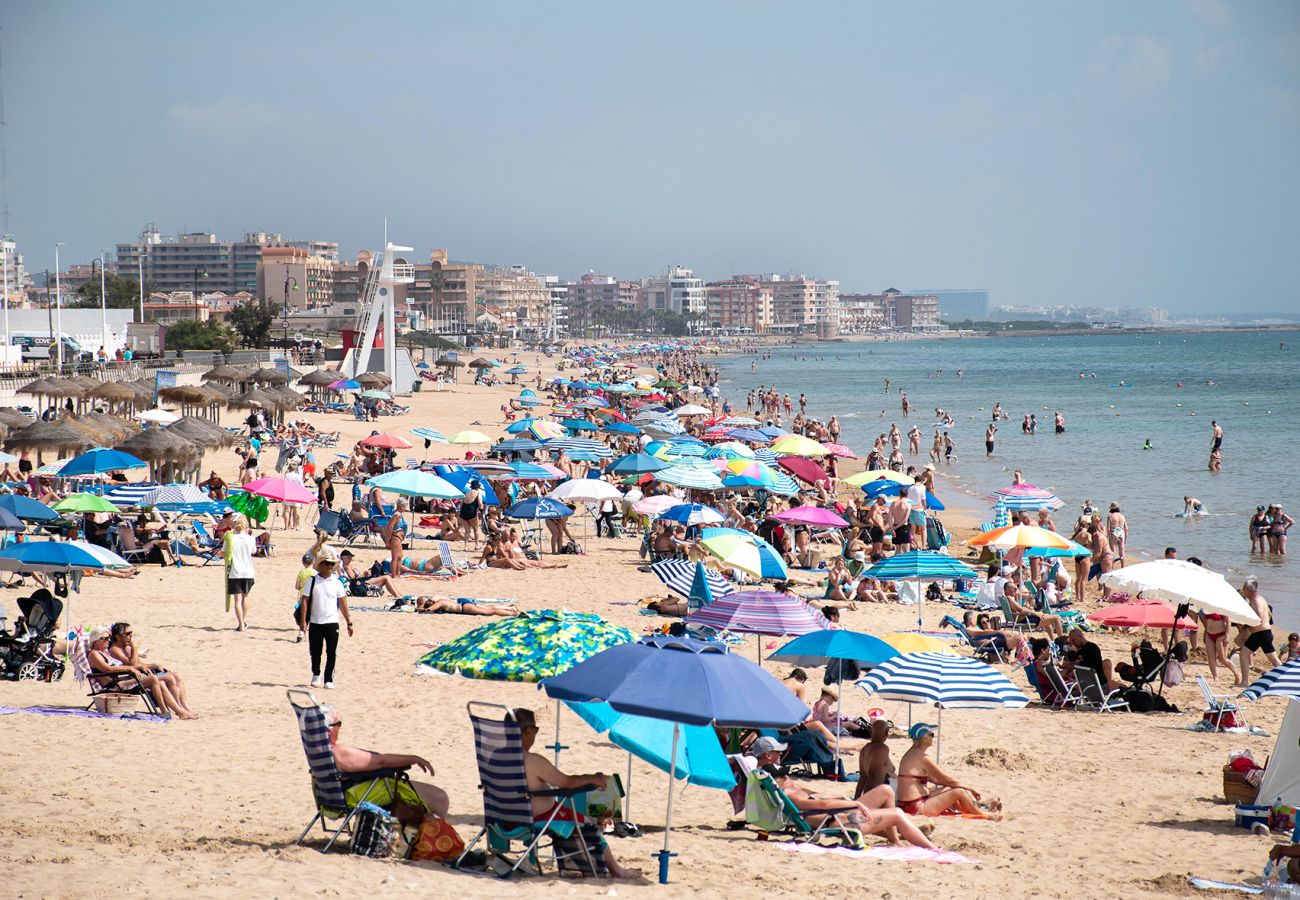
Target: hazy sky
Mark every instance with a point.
(1054, 152)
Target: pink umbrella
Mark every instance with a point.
(803, 468)
(390, 441)
(759, 612)
(841, 451)
(281, 489)
(812, 515)
(653, 506)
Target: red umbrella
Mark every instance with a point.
(804, 468)
(841, 451)
(1140, 614)
(391, 441)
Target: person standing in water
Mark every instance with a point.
(989, 434)
(1060, 423)
(1217, 442)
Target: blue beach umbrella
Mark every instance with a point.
(516, 445)
(883, 487)
(416, 483)
(539, 508)
(691, 580)
(576, 425)
(692, 514)
(27, 508)
(689, 477)
(621, 428)
(10, 522)
(58, 556)
(461, 477)
(522, 425)
(742, 550)
(750, 435)
(1075, 551)
(699, 758)
(526, 471)
(429, 434)
(635, 464)
(684, 681)
(916, 565)
(100, 460)
(1281, 681)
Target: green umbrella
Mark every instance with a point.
(85, 503)
(375, 394)
(531, 646)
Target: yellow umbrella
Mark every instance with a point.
(918, 643)
(862, 478)
(1012, 536)
(468, 437)
(798, 445)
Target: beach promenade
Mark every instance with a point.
(1095, 805)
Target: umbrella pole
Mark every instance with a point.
(839, 717)
(920, 599)
(627, 796)
(664, 855)
(938, 741)
(557, 746)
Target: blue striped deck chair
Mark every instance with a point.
(507, 802)
(328, 784)
(986, 647)
(443, 549)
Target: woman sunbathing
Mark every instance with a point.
(497, 554)
(122, 648)
(465, 606)
(103, 667)
(917, 772)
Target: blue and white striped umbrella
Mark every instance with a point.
(944, 680)
(526, 471)
(678, 575)
(515, 445)
(128, 495)
(173, 495)
(762, 454)
(1001, 517)
(1032, 504)
(429, 434)
(692, 514)
(687, 448)
(701, 479)
(1283, 681)
(570, 444)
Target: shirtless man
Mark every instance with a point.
(543, 776)
(899, 511)
(874, 764)
(1256, 637)
(1216, 442)
(989, 434)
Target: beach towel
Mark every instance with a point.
(409, 605)
(79, 713)
(903, 854)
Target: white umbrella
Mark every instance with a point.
(157, 416)
(586, 489)
(692, 409)
(1178, 581)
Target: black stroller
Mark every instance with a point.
(27, 653)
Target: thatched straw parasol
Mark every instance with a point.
(13, 418)
(112, 390)
(448, 362)
(373, 380)
(228, 374)
(101, 435)
(59, 437)
(164, 450)
(41, 387)
(186, 394)
(201, 432)
(294, 374)
(318, 378)
(110, 426)
(291, 398)
(64, 387)
(480, 363)
(257, 397)
(269, 376)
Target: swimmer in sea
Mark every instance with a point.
(1192, 507)
(1060, 423)
(1147, 445)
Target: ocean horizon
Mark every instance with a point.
(1117, 392)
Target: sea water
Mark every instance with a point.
(1116, 391)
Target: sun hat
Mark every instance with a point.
(920, 730)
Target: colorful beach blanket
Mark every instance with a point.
(79, 713)
(505, 601)
(902, 854)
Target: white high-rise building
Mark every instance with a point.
(677, 291)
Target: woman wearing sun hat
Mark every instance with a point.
(926, 790)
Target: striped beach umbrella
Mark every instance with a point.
(748, 552)
(128, 495)
(170, 495)
(690, 477)
(692, 514)
(679, 576)
(1282, 681)
(515, 445)
(571, 444)
(759, 612)
(526, 471)
(918, 565)
(429, 434)
(944, 680)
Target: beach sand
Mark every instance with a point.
(1096, 806)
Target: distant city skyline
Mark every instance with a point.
(1106, 154)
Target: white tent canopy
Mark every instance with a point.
(1282, 777)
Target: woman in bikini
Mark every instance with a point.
(1216, 645)
(464, 606)
(104, 666)
(122, 649)
(917, 772)
(394, 537)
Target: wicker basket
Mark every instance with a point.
(116, 704)
(1236, 788)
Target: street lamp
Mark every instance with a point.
(58, 304)
(198, 273)
(103, 299)
(284, 313)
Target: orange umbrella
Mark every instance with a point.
(1012, 536)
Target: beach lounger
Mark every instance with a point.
(328, 784)
(507, 802)
(986, 648)
(1093, 694)
(1218, 706)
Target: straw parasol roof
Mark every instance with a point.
(225, 373)
(294, 374)
(201, 432)
(156, 445)
(100, 434)
(83, 382)
(448, 362)
(13, 418)
(64, 387)
(59, 437)
(480, 363)
(318, 378)
(292, 398)
(270, 376)
(39, 387)
(373, 380)
(110, 425)
(112, 390)
(185, 393)
(257, 397)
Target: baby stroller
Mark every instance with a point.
(27, 653)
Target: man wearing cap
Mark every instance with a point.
(323, 600)
(917, 773)
(872, 813)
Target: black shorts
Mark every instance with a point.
(1218, 444)
(988, 445)
(876, 533)
(903, 534)
(1261, 641)
(239, 585)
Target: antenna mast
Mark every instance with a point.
(4, 162)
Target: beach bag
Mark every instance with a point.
(437, 841)
(374, 832)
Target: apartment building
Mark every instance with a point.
(291, 275)
(676, 291)
(800, 303)
(891, 310)
(739, 305)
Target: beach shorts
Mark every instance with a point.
(903, 534)
(1261, 641)
(382, 793)
(988, 445)
(876, 533)
(239, 585)
(916, 517)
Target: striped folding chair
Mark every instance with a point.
(328, 785)
(507, 802)
(443, 549)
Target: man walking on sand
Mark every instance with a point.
(1257, 637)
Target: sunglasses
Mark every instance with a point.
(336, 725)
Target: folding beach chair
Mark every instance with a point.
(126, 547)
(328, 785)
(1010, 619)
(443, 549)
(1218, 706)
(1094, 695)
(770, 810)
(1068, 693)
(986, 648)
(507, 802)
(1031, 675)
